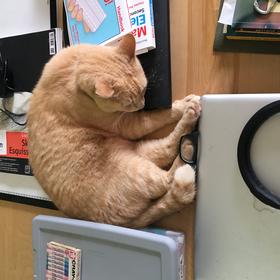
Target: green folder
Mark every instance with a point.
(245, 16)
(244, 12)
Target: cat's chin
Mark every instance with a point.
(131, 110)
(113, 109)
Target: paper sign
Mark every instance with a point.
(227, 12)
(14, 156)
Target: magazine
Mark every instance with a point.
(97, 22)
(142, 20)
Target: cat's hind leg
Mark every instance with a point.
(181, 193)
(136, 184)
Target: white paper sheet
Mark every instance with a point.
(227, 12)
(23, 16)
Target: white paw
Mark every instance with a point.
(184, 190)
(184, 175)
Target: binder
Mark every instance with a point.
(27, 54)
(111, 252)
(22, 47)
(157, 62)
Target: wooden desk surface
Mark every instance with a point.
(195, 70)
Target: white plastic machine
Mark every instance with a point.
(20, 17)
(238, 218)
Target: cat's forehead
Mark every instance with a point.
(118, 67)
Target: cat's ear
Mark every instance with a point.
(103, 89)
(127, 46)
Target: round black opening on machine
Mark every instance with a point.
(256, 186)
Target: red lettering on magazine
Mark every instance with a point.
(17, 144)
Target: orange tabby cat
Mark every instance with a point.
(84, 139)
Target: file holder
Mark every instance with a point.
(10, 83)
(107, 252)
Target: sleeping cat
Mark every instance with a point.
(85, 135)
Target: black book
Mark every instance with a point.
(27, 54)
(157, 63)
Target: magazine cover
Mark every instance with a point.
(96, 21)
(142, 20)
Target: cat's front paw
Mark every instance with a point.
(193, 109)
(179, 107)
(187, 149)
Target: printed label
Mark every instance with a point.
(14, 158)
(181, 268)
(3, 143)
(52, 43)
